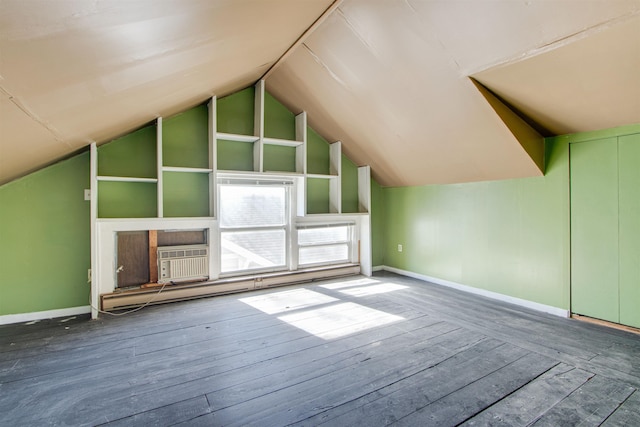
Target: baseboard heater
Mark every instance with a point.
(135, 298)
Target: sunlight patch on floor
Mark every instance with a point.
(280, 302)
(372, 290)
(338, 320)
(349, 283)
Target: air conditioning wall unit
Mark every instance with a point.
(183, 263)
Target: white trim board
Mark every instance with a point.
(41, 315)
(482, 292)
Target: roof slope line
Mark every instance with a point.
(530, 140)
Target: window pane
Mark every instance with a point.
(315, 236)
(247, 250)
(324, 254)
(245, 206)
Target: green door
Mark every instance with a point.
(629, 199)
(605, 229)
(594, 229)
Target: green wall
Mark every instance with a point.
(45, 235)
(510, 237)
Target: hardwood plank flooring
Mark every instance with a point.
(387, 350)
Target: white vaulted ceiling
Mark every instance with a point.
(73, 71)
(391, 79)
(415, 88)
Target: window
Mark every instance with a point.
(324, 243)
(254, 225)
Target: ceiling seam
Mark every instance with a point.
(302, 38)
(557, 43)
(33, 116)
(358, 34)
(320, 62)
(410, 6)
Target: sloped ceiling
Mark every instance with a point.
(391, 79)
(76, 71)
(415, 88)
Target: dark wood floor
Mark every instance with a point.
(350, 352)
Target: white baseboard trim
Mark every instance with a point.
(40, 315)
(483, 292)
(377, 268)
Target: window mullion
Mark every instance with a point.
(260, 228)
(313, 245)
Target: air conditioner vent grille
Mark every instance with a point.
(183, 263)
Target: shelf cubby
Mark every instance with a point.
(133, 155)
(236, 135)
(126, 199)
(278, 158)
(317, 195)
(233, 155)
(329, 163)
(364, 189)
(317, 154)
(185, 140)
(349, 186)
(279, 122)
(235, 113)
(185, 194)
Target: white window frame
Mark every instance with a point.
(350, 241)
(253, 180)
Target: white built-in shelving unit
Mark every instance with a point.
(107, 226)
(259, 142)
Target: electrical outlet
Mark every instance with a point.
(399, 248)
(87, 194)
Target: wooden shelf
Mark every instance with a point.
(236, 137)
(233, 172)
(222, 173)
(182, 169)
(126, 179)
(283, 173)
(282, 142)
(319, 176)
